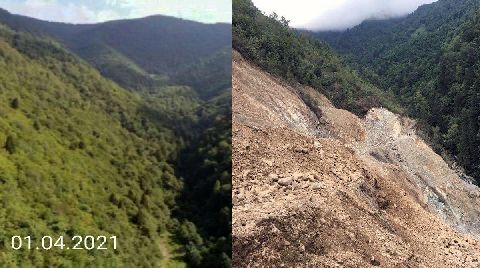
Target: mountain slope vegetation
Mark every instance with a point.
(206, 165)
(209, 77)
(142, 52)
(429, 59)
(77, 156)
(81, 155)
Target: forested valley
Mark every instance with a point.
(430, 61)
(105, 130)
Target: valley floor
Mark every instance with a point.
(329, 189)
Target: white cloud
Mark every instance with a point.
(52, 10)
(107, 15)
(205, 10)
(91, 11)
(337, 15)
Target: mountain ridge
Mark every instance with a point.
(184, 44)
(5, 11)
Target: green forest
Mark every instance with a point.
(146, 52)
(87, 149)
(430, 61)
(272, 44)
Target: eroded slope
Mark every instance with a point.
(316, 186)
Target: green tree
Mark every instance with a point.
(15, 103)
(10, 144)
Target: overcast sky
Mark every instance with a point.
(337, 14)
(91, 11)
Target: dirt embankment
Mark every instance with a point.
(328, 189)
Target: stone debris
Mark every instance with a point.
(273, 177)
(317, 186)
(302, 150)
(285, 181)
(340, 191)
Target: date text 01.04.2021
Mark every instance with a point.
(88, 242)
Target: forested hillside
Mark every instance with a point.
(270, 43)
(78, 157)
(210, 77)
(83, 155)
(142, 52)
(429, 59)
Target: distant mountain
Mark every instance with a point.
(430, 60)
(379, 42)
(208, 76)
(138, 52)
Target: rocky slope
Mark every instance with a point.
(316, 186)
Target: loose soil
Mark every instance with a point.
(330, 189)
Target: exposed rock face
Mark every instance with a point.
(361, 192)
(391, 139)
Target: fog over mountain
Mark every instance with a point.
(94, 11)
(324, 15)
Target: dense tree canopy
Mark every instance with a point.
(80, 155)
(77, 156)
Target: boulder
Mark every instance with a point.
(285, 181)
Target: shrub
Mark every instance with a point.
(10, 144)
(15, 103)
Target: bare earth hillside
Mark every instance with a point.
(320, 187)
